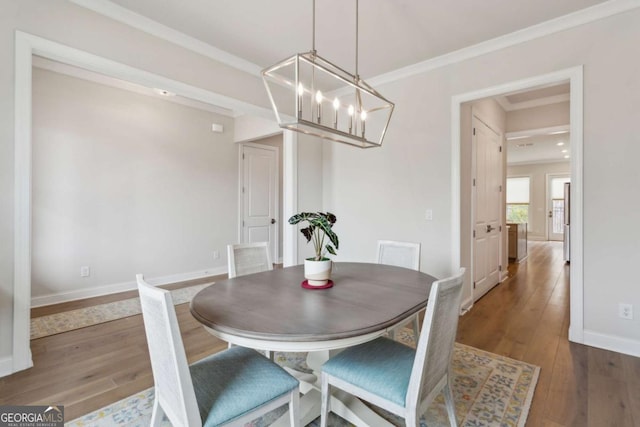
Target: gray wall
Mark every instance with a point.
(125, 183)
(383, 193)
(388, 189)
(66, 23)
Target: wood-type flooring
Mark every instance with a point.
(525, 317)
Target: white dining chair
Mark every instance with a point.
(229, 388)
(396, 377)
(401, 254)
(248, 258)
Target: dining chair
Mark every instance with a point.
(396, 377)
(401, 254)
(228, 388)
(248, 258)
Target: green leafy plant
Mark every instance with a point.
(319, 229)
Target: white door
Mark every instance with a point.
(259, 195)
(487, 207)
(555, 206)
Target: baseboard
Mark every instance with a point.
(612, 343)
(466, 306)
(6, 366)
(123, 287)
(536, 238)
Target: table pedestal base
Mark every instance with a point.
(342, 404)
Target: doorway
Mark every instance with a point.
(486, 206)
(556, 206)
(26, 46)
(461, 242)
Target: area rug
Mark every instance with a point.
(80, 318)
(489, 390)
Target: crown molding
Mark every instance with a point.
(575, 19)
(142, 23)
(104, 80)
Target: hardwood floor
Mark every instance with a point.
(526, 317)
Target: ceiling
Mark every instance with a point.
(534, 97)
(541, 148)
(393, 33)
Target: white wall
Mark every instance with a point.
(383, 193)
(125, 183)
(537, 228)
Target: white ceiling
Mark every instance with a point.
(544, 148)
(393, 33)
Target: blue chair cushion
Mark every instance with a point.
(233, 382)
(382, 367)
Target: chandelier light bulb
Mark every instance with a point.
(350, 110)
(363, 117)
(336, 106)
(319, 102)
(300, 94)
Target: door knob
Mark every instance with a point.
(490, 228)
(550, 214)
(273, 221)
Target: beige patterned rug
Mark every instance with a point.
(490, 390)
(80, 318)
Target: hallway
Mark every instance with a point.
(527, 318)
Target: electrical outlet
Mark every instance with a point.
(625, 311)
(216, 255)
(85, 271)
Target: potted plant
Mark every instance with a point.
(317, 269)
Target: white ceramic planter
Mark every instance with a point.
(317, 273)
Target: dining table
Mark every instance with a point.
(273, 311)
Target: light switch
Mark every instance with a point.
(428, 215)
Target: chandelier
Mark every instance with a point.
(322, 99)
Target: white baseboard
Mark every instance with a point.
(123, 287)
(6, 366)
(466, 305)
(612, 343)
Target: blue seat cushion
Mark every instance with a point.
(233, 382)
(382, 367)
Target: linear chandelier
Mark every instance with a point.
(324, 100)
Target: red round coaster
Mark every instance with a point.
(305, 284)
